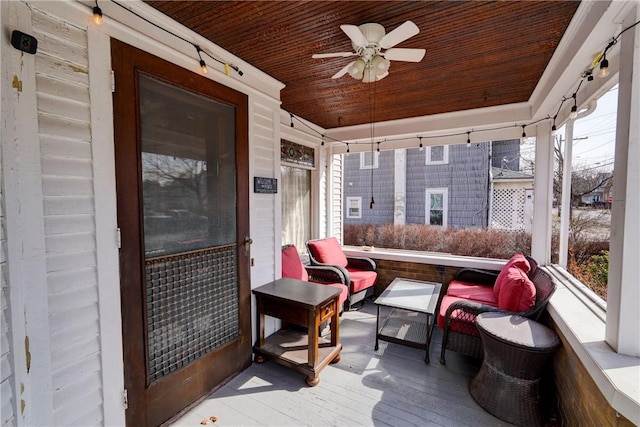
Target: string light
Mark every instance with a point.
(322, 142)
(347, 147)
(98, 11)
(604, 67)
(378, 150)
(420, 139)
(574, 108)
(97, 14)
(291, 116)
(523, 139)
(203, 65)
(468, 139)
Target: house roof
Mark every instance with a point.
(478, 53)
(504, 174)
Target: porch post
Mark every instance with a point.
(565, 197)
(542, 195)
(400, 186)
(623, 293)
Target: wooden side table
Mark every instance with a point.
(305, 304)
(515, 352)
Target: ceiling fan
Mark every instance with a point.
(375, 50)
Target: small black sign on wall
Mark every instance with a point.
(265, 185)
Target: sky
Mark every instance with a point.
(593, 136)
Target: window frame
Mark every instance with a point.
(375, 160)
(445, 156)
(357, 199)
(445, 205)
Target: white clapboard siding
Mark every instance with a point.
(62, 86)
(336, 197)
(263, 227)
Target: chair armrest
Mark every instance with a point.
(325, 274)
(361, 263)
(467, 311)
(475, 276)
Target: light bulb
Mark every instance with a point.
(574, 112)
(203, 66)
(97, 14)
(380, 65)
(523, 138)
(357, 69)
(604, 68)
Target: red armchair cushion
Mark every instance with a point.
(328, 251)
(361, 279)
(292, 266)
(470, 291)
(518, 293)
(518, 260)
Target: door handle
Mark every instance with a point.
(247, 243)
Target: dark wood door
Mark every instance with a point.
(181, 150)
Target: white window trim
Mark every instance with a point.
(445, 204)
(357, 199)
(363, 165)
(445, 156)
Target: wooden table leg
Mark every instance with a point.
(312, 330)
(335, 328)
(259, 358)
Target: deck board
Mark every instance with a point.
(389, 387)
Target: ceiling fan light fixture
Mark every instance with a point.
(357, 69)
(380, 64)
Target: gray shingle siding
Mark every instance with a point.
(465, 176)
(357, 183)
(506, 154)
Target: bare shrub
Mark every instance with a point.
(458, 241)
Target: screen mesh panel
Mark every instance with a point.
(192, 307)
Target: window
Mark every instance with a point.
(437, 155)
(354, 207)
(436, 206)
(369, 160)
(296, 205)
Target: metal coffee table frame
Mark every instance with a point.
(408, 299)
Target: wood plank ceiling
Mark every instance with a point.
(479, 53)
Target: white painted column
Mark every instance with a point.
(542, 195)
(565, 201)
(623, 294)
(24, 225)
(400, 187)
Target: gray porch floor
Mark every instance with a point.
(389, 387)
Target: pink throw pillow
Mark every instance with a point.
(518, 260)
(518, 292)
(292, 266)
(328, 251)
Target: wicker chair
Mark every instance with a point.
(463, 337)
(359, 272)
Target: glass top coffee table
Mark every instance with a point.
(411, 318)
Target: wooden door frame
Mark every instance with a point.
(127, 63)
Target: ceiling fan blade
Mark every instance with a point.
(343, 71)
(333, 55)
(400, 54)
(398, 35)
(355, 35)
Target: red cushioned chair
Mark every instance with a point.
(519, 288)
(359, 272)
(294, 268)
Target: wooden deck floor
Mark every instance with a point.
(389, 387)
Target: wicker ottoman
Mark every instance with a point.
(515, 350)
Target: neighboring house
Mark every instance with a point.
(438, 185)
(602, 196)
